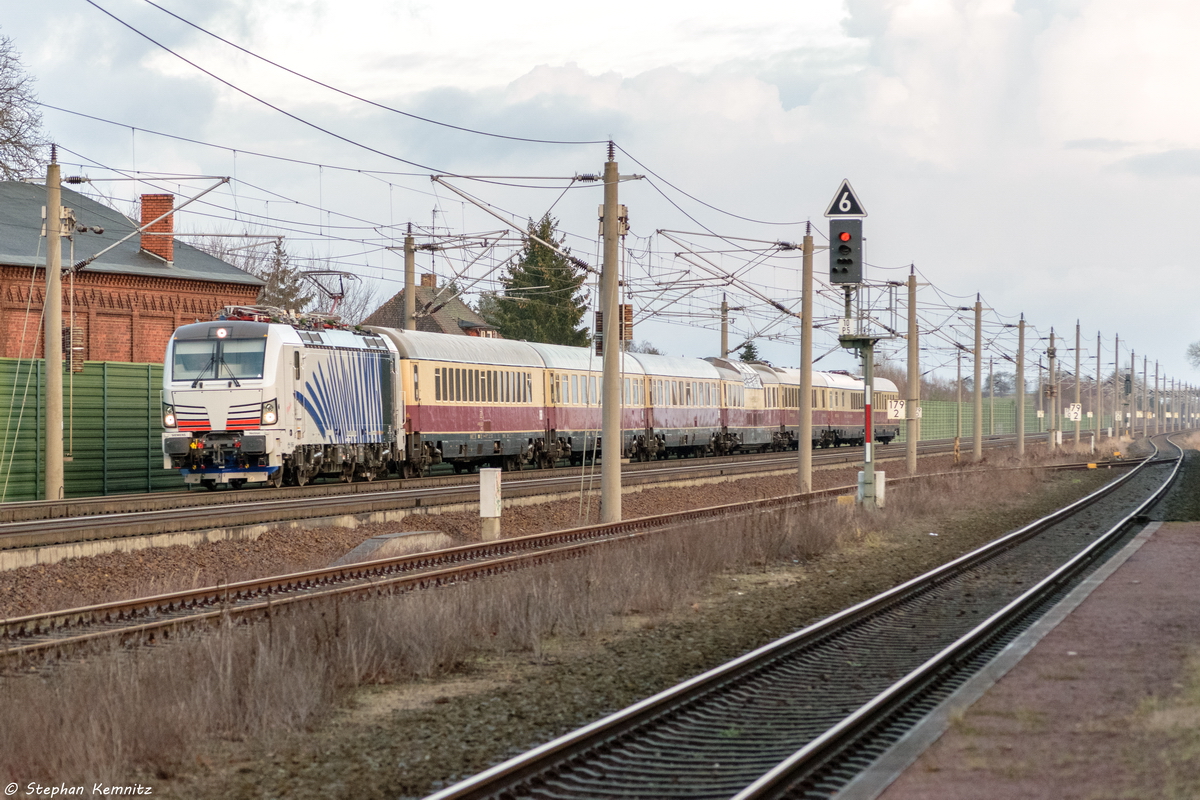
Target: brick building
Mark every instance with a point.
(437, 312)
(129, 301)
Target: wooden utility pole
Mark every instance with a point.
(610, 433)
(806, 334)
(53, 338)
(912, 406)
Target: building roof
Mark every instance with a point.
(454, 316)
(22, 245)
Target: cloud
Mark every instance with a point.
(1169, 163)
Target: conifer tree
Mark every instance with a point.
(542, 299)
(750, 352)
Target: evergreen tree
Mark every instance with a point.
(749, 352)
(542, 299)
(286, 286)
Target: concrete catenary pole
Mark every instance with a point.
(1041, 397)
(724, 327)
(1133, 392)
(977, 428)
(1145, 397)
(991, 396)
(1098, 408)
(410, 281)
(1020, 387)
(610, 434)
(806, 337)
(1117, 385)
(1079, 422)
(1158, 403)
(53, 339)
(958, 406)
(912, 406)
(1051, 356)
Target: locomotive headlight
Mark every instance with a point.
(270, 412)
(168, 416)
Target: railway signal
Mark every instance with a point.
(845, 250)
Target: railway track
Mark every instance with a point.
(27, 511)
(800, 717)
(158, 618)
(49, 523)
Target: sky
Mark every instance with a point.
(1043, 155)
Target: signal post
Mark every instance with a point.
(845, 215)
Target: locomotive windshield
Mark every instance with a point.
(215, 359)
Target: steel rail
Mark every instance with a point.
(93, 507)
(44, 532)
(815, 754)
(468, 558)
(499, 778)
(527, 549)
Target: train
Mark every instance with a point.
(260, 396)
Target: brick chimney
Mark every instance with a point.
(429, 280)
(159, 239)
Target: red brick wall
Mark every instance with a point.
(122, 317)
(159, 238)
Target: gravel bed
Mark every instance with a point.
(405, 741)
(114, 576)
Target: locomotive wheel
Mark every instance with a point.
(276, 479)
(210, 485)
(368, 475)
(301, 476)
(237, 484)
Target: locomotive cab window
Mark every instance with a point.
(218, 359)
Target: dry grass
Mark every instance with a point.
(147, 711)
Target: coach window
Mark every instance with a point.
(592, 395)
(416, 384)
(437, 383)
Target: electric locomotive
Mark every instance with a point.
(262, 396)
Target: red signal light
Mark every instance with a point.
(844, 236)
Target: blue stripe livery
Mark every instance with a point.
(344, 398)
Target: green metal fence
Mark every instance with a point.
(111, 430)
(939, 419)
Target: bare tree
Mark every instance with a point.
(21, 141)
(267, 259)
(1193, 355)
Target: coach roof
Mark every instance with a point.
(424, 346)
